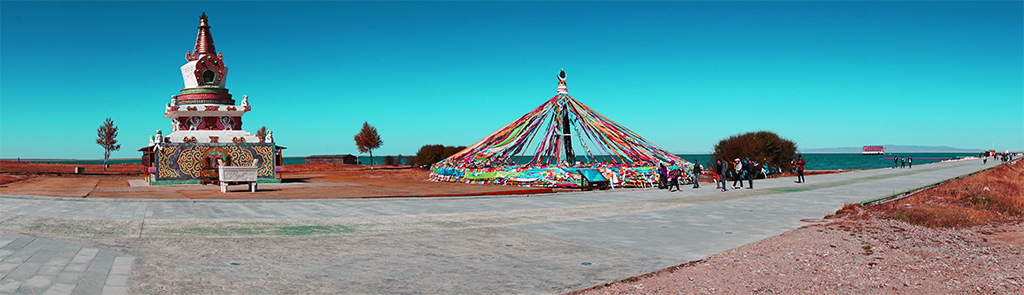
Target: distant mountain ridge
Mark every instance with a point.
(889, 148)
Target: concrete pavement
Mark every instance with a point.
(33, 265)
(503, 244)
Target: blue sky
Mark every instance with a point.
(682, 74)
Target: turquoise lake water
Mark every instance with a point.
(853, 161)
(814, 161)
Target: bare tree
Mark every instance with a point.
(367, 140)
(106, 136)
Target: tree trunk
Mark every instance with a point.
(371, 159)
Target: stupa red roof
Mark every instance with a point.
(204, 41)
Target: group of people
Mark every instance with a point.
(741, 170)
(902, 162)
(669, 178)
(1004, 157)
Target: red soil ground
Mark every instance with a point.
(303, 181)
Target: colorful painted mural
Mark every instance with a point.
(188, 161)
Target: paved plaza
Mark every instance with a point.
(522, 244)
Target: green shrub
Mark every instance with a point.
(433, 153)
(764, 147)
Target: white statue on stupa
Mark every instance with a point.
(227, 122)
(193, 123)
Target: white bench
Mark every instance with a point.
(247, 174)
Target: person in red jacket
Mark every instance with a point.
(800, 168)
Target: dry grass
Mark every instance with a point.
(854, 211)
(995, 195)
(379, 171)
(307, 167)
(942, 216)
(9, 178)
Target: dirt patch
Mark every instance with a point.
(378, 171)
(23, 168)
(51, 186)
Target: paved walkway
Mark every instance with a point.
(33, 265)
(495, 244)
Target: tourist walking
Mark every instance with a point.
(697, 170)
(750, 167)
(738, 168)
(910, 162)
(903, 162)
(717, 173)
(800, 168)
(674, 177)
(723, 169)
(662, 175)
(895, 161)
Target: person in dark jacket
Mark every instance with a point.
(723, 170)
(749, 167)
(715, 170)
(696, 172)
(662, 176)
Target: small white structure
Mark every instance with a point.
(245, 174)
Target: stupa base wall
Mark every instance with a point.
(178, 182)
(186, 163)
